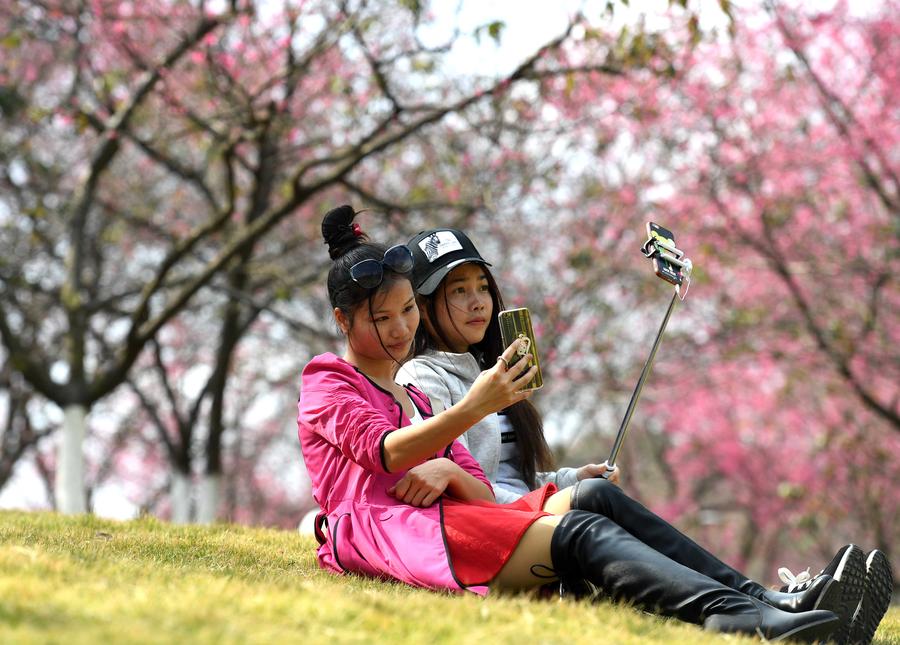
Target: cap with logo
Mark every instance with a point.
(436, 253)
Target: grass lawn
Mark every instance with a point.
(86, 580)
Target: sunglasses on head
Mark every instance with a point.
(369, 273)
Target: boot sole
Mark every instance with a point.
(879, 585)
(851, 574)
(817, 632)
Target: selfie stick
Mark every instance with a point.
(651, 247)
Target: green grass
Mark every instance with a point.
(86, 580)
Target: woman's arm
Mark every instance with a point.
(494, 390)
(423, 484)
(465, 486)
(418, 373)
(565, 477)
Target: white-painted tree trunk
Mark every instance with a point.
(180, 498)
(208, 499)
(69, 484)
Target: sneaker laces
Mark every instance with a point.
(794, 582)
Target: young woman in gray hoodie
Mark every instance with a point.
(458, 339)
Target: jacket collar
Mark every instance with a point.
(419, 399)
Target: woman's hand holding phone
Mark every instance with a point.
(496, 388)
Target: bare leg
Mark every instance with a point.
(560, 502)
(530, 564)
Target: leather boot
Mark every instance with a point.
(848, 566)
(589, 546)
(605, 498)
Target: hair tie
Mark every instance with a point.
(357, 231)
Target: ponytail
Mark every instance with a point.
(347, 245)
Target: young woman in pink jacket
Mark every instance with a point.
(402, 498)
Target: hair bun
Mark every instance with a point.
(339, 231)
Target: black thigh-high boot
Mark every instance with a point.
(589, 546)
(607, 499)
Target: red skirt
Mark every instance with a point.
(481, 536)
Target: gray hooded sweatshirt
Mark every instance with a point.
(446, 377)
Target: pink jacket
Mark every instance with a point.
(343, 420)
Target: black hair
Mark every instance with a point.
(534, 453)
(348, 245)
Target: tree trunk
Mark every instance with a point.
(69, 486)
(208, 499)
(180, 493)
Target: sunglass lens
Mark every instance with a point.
(367, 273)
(398, 259)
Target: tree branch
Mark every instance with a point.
(842, 116)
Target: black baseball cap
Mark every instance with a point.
(436, 252)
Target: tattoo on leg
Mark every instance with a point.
(543, 571)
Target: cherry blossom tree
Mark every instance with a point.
(772, 414)
(165, 169)
(157, 154)
(22, 428)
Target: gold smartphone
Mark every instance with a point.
(515, 324)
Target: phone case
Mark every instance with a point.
(664, 269)
(516, 323)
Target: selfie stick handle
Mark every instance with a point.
(623, 428)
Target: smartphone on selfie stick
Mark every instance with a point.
(670, 264)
